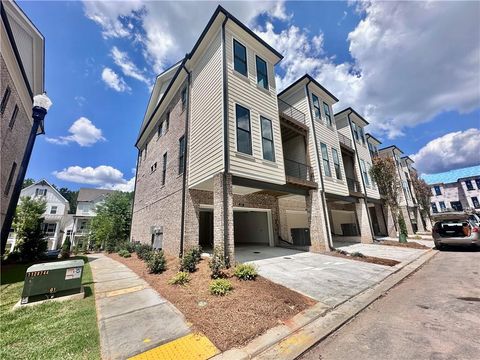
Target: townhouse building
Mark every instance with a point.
(225, 161)
(55, 217)
(457, 190)
(21, 78)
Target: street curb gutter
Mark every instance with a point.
(288, 341)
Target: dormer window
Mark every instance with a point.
(239, 58)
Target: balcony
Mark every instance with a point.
(354, 187)
(299, 174)
(345, 141)
(291, 113)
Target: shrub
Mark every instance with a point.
(190, 260)
(143, 251)
(245, 271)
(197, 253)
(220, 287)
(65, 253)
(156, 263)
(75, 250)
(124, 253)
(217, 263)
(180, 278)
(357, 254)
(125, 245)
(402, 225)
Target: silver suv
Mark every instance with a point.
(455, 228)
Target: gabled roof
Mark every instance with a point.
(305, 78)
(90, 194)
(370, 136)
(350, 110)
(44, 182)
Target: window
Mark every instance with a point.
(456, 205)
(267, 139)
(181, 154)
(239, 58)
(10, 178)
(469, 185)
(442, 206)
(164, 169)
(336, 164)
(436, 188)
(140, 156)
(475, 202)
(369, 168)
(362, 134)
(244, 141)
(262, 77)
(326, 161)
(316, 106)
(167, 123)
(40, 192)
(159, 130)
(355, 131)
(326, 110)
(477, 181)
(49, 228)
(53, 210)
(13, 118)
(153, 167)
(434, 208)
(6, 96)
(184, 99)
(145, 153)
(364, 172)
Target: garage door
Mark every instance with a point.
(250, 227)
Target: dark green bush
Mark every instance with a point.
(357, 254)
(197, 253)
(65, 253)
(217, 263)
(156, 263)
(220, 287)
(180, 278)
(124, 253)
(143, 251)
(190, 260)
(245, 271)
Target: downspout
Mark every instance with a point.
(184, 180)
(226, 149)
(322, 192)
(361, 176)
(133, 199)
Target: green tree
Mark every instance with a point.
(422, 193)
(27, 182)
(28, 226)
(111, 225)
(71, 196)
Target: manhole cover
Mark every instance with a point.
(256, 252)
(286, 257)
(468, 298)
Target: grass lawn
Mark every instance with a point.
(55, 330)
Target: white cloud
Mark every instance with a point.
(84, 133)
(128, 67)
(451, 151)
(103, 176)
(114, 81)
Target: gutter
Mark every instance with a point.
(361, 176)
(322, 192)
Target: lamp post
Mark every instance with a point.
(41, 104)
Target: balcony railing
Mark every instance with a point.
(345, 140)
(353, 185)
(298, 170)
(290, 111)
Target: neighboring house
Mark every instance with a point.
(21, 78)
(456, 190)
(87, 202)
(224, 161)
(55, 218)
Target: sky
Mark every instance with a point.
(412, 69)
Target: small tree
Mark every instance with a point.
(384, 172)
(422, 193)
(66, 248)
(28, 226)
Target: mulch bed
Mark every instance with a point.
(228, 321)
(411, 245)
(365, 258)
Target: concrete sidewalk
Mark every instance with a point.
(132, 317)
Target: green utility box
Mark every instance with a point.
(52, 279)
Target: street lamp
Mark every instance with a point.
(41, 104)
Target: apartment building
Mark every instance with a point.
(455, 190)
(223, 161)
(55, 217)
(22, 77)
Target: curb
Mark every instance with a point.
(313, 325)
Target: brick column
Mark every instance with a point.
(218, 215)
(406, 217)
(317, 221)
(366, 236)
(392, 232)
(191, 225)
(420, 226)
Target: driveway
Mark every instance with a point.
(324, 278)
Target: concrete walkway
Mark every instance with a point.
(133, 317)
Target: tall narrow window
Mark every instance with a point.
(326, 161)
(355, 131)
(336, 164)
(167, 122)
(477, 181)
(239, 58)
(442, 206)
(10, 178)
(159, 130)
(6, 96)
(316, 106)
(326, 110)
(267, 139)
(437, 190)
(13, 118)
(369, 168)
(244, 140)
(184, 99)
(362, 134)
(262, 77)
(434, 208)
(164, 169)
(145, 153)
(364, 172)
(469, 184)
(475, 202)
(181, 154)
